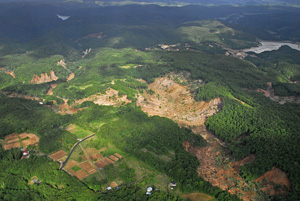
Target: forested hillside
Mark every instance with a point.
(123, 98)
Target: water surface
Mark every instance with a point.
(270, 45)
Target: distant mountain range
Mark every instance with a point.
(172, 3)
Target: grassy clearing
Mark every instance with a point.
(75, 168)
(146, 175)
(78, 131)
(76, 155)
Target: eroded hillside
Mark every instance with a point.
(166, 98)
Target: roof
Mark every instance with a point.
(149, 189)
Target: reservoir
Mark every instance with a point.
(270, 45)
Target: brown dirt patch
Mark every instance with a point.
(67, 109)
(71, 164)
(91, 151)
(107, 160)
(62, 63)
(11, 73)
(214, 166)
(58, 155)
(44, 78)
(50, 91)
(112, 157)
(103, 149)
(272, 178)
(113, 184)
(12, 145)
(12, 95)
(111, 97)
(84, 158)
(71, 76)
(96, 157)
(197, 197)
(100, 164)
(33, 139)
(279, 99)
(142, 81)
(81, 174)
(175, 101)
(12, 140)
(33, 180)
(118, 155)
(237, 164)
(71, 128)
(11, 136)
(72, 172)
(87, 166)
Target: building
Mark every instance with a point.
(149, 190)
(173, 185)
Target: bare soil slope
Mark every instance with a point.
(176, 102)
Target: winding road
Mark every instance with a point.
(74, 147)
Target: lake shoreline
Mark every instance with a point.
(270, 46)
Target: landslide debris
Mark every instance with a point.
(44, 78)
(50, 91)
(11, 73)
(274, 182)
(71, 76)
(215, 166)
(166, 98)
(111, 97)
(279, 99)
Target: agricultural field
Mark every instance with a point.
(20, 140)
(148, 96)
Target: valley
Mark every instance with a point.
(143, 101)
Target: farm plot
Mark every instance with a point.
(81, 174)
(118, 155)
(58, 155)
(96, 157)
(17, 140)
(33, 139)
(11, 136)
(70, 164)
(87, 166)
(78, 131)
(112, 157)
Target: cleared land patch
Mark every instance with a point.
(112, 157)
(58, 155)
(78, 131)
(118, 155)
(17, 140)
(81, 174)
(87, 166)
(96, 157)
(175, 101)
(71, 163)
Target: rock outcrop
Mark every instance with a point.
(44, 78)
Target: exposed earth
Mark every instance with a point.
(172, 100)
(176, 102)
(44, 78)
(279, 99)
